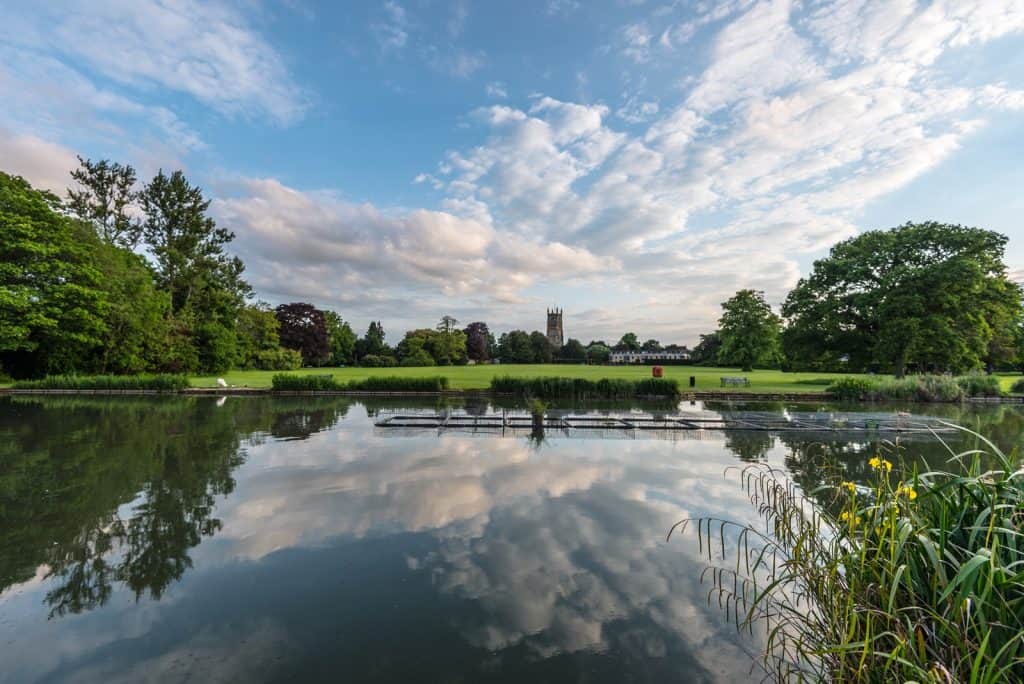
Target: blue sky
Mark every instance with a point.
(633, 162)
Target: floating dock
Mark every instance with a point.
(750, 421)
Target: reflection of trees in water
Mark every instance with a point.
(68, 464)
(816, 459)
(749, 445)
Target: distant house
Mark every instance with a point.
(648, 356)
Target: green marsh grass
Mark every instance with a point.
(289, 382)
(916, 577)
(161, 383)
(581, 388)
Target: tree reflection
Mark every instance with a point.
(113, 491)
(749, 445)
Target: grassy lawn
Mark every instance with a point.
(479, 377)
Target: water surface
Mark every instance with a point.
(260, 539)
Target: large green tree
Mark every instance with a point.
(106, 197)
(628, 342)
(928, 296)
(372, 343)
(51, 304)
(749, 331)
(204, 283)
(135, 315)
(515, 347)
(341, 338)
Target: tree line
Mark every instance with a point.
(117, 278)
(924, 298)
(122, 278)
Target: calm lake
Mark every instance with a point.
(290, 539)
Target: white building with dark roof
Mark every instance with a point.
(648, 356)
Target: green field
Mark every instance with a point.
(479, 377)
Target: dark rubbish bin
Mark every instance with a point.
(657, 371)
(693, 381)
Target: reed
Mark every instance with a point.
(580, 388)
(161, 383)
(927, 388)
(285, 382)
(913, 577)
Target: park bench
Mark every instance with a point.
(734, 382)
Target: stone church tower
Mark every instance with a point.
(555, 334)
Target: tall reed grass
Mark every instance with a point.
(930, 388)
(285, 382)
(162, 382)
(915, 577)
(580, 388)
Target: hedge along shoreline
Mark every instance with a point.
(925, 388)
(165, 382)
(284, 382)
(580, 388)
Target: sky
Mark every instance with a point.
(632, 162)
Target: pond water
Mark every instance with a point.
(262, 539)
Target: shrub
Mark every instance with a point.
(1018, 386)
(816, 381)
(279, 359)
(165, 382)
(579, 388)
(284, 382)
(398, 384)
(851, 388)
(657, 387)
(419, 358)
(376, 361)
(916, 388)
(979, 385)
(912, 578)
(920, 388)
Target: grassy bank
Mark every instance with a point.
(479, 377)
(161, 383)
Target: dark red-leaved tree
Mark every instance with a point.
(477, 336)
(304, 329)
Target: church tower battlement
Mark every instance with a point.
(556, 335)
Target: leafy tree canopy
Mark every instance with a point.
(304, 329)
(342, 339)
(514, 347)
(51, 302)
(931, 296)
(749, 331)
(628, 342)
(573, 350)
(106, 197)
(478, 345)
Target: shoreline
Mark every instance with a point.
(266, 391)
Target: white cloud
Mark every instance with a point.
(775, 150)
(757, 54)
(393, 32)
(313, 245)
(455, 62)
(43, 164)
(564, 7)
(206, 50)
(496, 89)
(637, 39)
